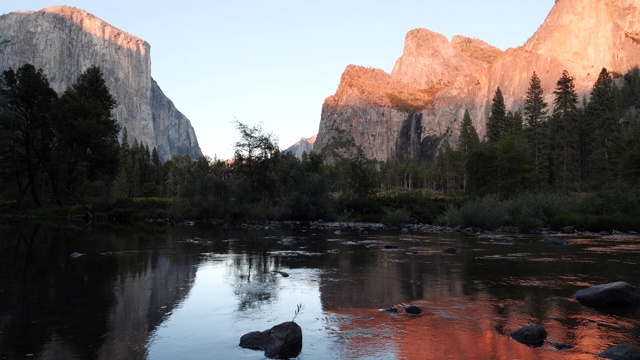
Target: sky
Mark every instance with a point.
(272, 63)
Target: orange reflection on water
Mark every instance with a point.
(457, 328)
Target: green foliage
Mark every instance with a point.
(299, 309)
(26, 132)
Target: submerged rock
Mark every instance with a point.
(284, 274)
(621, 352)
(612, 294)
(555, 240)
(532, 335)
(282, 341)
(450, 250)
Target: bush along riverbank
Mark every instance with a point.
(614, 209)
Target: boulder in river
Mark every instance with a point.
(613, 294)
(621, 352)
(282, 341)
(412, 309)
(532, 335)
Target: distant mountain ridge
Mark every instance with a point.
(64, 41)
(305, 145)
(415, 109)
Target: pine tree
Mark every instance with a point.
(564, 127)
(469, 141)
(535, 115)
(468, 135)
(497, 123)
(601, 116)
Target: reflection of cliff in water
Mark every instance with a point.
(102, 305)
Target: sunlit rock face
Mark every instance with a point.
(580, 36)
(64, 41)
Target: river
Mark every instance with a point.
(160, 291)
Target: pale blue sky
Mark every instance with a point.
(274, 62)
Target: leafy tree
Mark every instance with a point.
(497, 123)
(26, 102)
(535, 116)
(564, 128)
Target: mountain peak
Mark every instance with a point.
(96, 26)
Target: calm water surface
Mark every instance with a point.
(190, 292)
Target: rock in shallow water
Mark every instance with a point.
(617, 293)
(282, 341)
(532, 335)
(412, 309)
(621, 352)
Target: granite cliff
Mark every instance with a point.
(64, 41)
(412, 111)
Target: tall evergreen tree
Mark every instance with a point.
(564, 126)
(469, 141)
(602, 117)
(468, 135)
(535, 116)
(497, 123)
(87, 131)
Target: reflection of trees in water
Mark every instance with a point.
(255, 282)
(101, 305)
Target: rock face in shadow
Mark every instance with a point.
(609, 296)
(282, 341)
(64, 41)
(532, 335)
(439, 79)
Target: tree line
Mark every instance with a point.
(69, 150)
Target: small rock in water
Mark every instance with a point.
(75, 255)
(532, 335)
(390, 310)
(333, 251)
(288, 241)
(348, 242)
(372, 246)
(450, 250)
(555, 240)
(562, 346)
(604, 233)
(390, 246)
(412, 309)
(284, 274)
